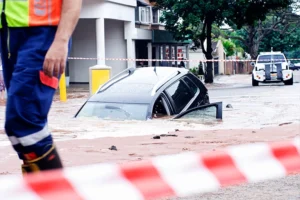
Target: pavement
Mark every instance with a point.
(258, 114)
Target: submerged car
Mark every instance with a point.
(149, 93)
(271, 67)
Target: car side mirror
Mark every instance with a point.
(252, 64)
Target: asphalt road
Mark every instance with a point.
(245, 97)
(244, 87)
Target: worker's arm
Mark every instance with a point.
(56, 56)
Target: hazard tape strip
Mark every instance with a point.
(164, 176)
(167, 60)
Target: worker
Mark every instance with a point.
(34, 44)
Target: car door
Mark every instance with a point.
(196, 90)
(180, 96)
(206, 112)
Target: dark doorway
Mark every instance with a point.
(141, 47)
(216, 66)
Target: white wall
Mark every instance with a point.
(142, 34)
(115, 45)
(84, 45)
(109, 10)
(115, 13)
(221, 52)
(124, 2)
(197, 55)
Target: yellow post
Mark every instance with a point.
(63, 88)
(98, 76)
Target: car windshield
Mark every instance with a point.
(267, 58)
(114, 111)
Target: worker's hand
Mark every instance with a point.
(56, 58)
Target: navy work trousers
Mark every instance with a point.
(28, 98)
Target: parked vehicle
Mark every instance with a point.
(295, 66)
(151, 92)
(271, 67)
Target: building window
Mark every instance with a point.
(145, 14)
(156, 16)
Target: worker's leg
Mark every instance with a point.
(9, 51)
(29, 101)
(8, 62)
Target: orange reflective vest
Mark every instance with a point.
(26, 13)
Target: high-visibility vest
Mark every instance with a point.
(26, 13)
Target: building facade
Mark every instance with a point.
(106, 29)
(120, 29)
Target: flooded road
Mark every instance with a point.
(264, 113)
(251, 108)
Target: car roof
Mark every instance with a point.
(137, 85)
(271, 53)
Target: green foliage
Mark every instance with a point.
(193, 19)
(287, 41)
(194, 70)
(229, 47)
(279, 30)
(184, 17)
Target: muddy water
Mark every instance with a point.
(252, 108)
(248, 112)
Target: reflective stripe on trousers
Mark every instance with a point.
(30, 139)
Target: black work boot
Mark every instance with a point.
(49, 161)
(25, 168)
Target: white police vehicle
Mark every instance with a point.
(271, 67)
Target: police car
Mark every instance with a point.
(271, 67)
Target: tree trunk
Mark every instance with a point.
(209, 78)
(209, 70)
(252, 42)
(253, 50)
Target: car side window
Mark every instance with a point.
(197, 82)
(160, 108)
(192, 85)
(180, 94)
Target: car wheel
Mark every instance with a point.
(289, 82)
(254, 82)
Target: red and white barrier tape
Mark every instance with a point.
(167, 60)
(164, 176)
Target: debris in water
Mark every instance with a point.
(168, 135)
(287, 123)
(229, 106)
(113, 148)
(188, 137)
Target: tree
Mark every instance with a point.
(193, 19)
(278, 24)
(282, 41)
(230, 47)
